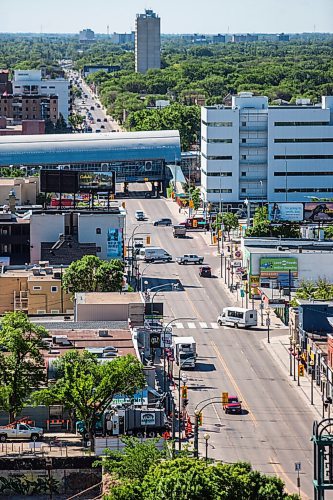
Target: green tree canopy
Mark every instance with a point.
(92, 274)
(262, 227)
(22, 368)
(86, 386)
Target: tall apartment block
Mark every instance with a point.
(147, 42)
(30, 83)
(253, 151)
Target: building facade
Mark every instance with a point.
(34, 290)
(87, 36)
(25, 190)
(252, 151)
(30, 83)
(147, 42)
(17, 108)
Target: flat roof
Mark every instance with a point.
(289, 251)
(108, 298)
(84, 148)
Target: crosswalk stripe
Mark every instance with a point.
(191, 325)
(203, 325)
(179, 325)
(215, 326)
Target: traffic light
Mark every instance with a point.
(191, 204)
(301, 370)
(225, 398)
(184, 392)
(195, 223)
(220, 233)
(147, 240)
(200, 419)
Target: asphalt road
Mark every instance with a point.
(274, 430)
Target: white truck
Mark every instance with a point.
(20, 431)
(190, 258)
(237, 317)
(185, 352)
(151, 254)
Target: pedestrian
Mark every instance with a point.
(179, 210)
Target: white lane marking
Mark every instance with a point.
(215, 326)
(191, 325)
(179, 325)
(202, 324)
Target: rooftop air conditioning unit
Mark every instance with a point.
(103, 333)
(57, 275)
(280, 249)
(148, 166)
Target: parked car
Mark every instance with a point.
(92, 108)
(205, 271)
(20, 431)
(163, 222)
(190, 259)
(233, 405)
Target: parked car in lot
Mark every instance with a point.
(233, 405)
(205, 271)
(163, 222)
(20, 431)
(190, 259)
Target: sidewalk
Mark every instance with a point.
(279, 350)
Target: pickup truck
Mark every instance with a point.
(20, 431)
(190, 259)
(233, 405)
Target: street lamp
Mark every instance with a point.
(298, 349)
(142, 274)
(290, 355)
(184, 379)
(206, 438)
(294, 354)
(268, 324)
(131, 241)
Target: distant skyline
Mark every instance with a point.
(177, 16)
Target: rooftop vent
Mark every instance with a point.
(103, 333)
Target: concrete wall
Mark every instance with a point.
(44, 227)
(110, 312)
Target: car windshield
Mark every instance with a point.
(233, 400)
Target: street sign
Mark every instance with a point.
(242, 293)
(268, 322)
(298, 466)
(225, 397)
(155, 339)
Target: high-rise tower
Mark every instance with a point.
(147, 42)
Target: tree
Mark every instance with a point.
(76, 121)
(230, 221)
(22, 368)
(262, 227)
(87, 387)
(92, 274)
(320, 290)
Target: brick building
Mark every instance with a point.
(29, 107)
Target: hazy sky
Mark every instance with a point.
(177, 16)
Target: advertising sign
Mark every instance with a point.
(281, 212)
(140, 398)
(4, 261)
(318, 211)
(166, 339)
(147, 418)
(155, 340)
(278, 264)
(97, 181)
(114, 243)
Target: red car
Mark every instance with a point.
(233, 405)
(205, 271)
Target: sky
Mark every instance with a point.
(177, 16)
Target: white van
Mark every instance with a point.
(140, 215)
(238, 317)
(150, 254)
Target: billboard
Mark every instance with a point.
(58, 181)
(97, 181)
(281, 212)
(278, 265)
(316, 211)
(114, 243)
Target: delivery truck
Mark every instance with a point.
(185, 352)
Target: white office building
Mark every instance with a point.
(266, 153)
(147, 42)
(30, 82)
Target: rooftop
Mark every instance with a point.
(108, 298)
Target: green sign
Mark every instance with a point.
(278, 264)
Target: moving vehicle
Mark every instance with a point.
(105, 120)
(151, 254)
(185, 351)
(190, 259)
(140, 215)
(163, 222)
(102, 126)
(179, 231)
(98, 131)
(92, 108)
(98, 120)
(20, 431)
(238, 316)
(233, 405)
(205, 271)
(128, 421)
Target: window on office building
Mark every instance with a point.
(98, 230)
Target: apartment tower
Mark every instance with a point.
(147, 42)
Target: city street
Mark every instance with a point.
(275, 428)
